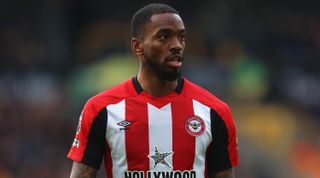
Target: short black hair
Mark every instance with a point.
(141, 18)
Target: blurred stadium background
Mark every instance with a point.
(261, 57)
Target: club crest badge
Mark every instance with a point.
(195, 126)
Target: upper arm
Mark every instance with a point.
(80, 170)
(228, 173)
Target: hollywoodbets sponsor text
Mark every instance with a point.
(161, 174)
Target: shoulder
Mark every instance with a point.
(110, 96)
(205, 97)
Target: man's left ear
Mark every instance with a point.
(136, 46)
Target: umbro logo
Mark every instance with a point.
(124, 124)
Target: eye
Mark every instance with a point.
(163, 37)
(182, 37)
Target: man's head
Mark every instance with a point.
(142, 17)
(158, 38)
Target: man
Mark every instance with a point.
(157, 124)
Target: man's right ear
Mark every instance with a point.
(136, 46)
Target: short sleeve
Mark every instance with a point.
(88, 146)
(222, 153)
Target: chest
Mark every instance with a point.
(148, 133)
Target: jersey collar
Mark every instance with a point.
(139, 89)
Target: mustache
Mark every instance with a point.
(174, 57)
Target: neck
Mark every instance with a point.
(155, 86)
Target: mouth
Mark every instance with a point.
(175, 61)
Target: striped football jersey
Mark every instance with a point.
(189, 133)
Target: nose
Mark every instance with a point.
(176, 45)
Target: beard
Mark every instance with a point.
(162, 72)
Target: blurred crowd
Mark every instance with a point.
(262, 58)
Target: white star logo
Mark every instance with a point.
(159, 157)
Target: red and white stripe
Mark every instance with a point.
(202, 141)
(152, 127)
(116, 138)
